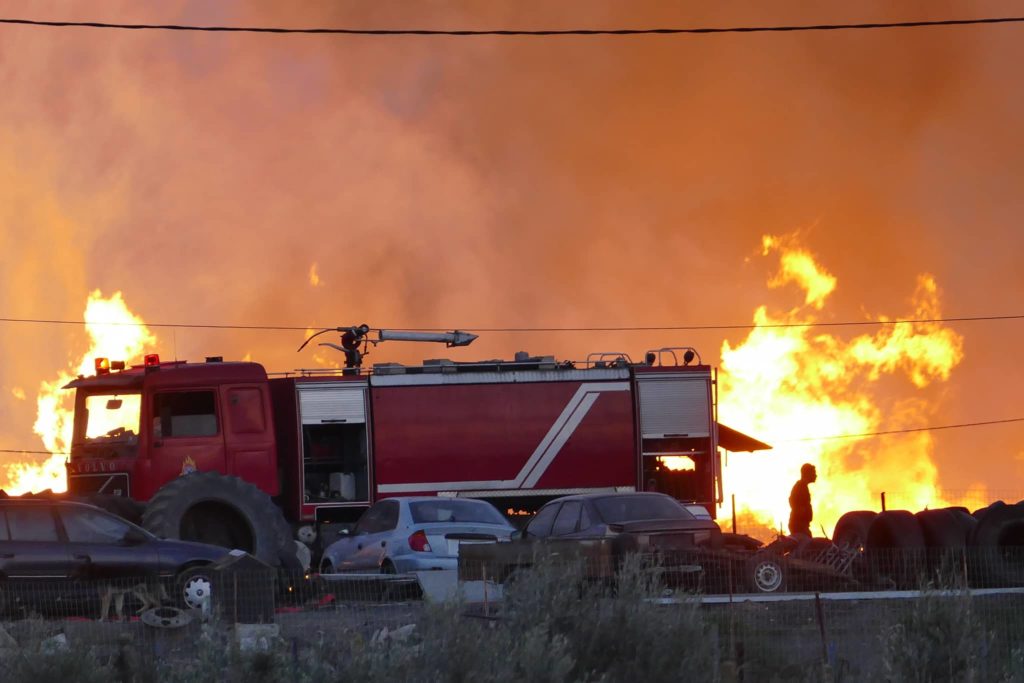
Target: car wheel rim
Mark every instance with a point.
(767, 576)
(196, 592)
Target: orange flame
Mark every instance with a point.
(790, 386)
(125, 340)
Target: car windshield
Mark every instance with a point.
(427, 511)
(112, 417)
(615, 509)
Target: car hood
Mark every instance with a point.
(168, 548)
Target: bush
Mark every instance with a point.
(553, 626)
(60, 666)
(938, 638)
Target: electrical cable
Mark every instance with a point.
(653, 328)
(905, 431)
(517, 32)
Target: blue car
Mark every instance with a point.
(60, 553)
(400, 535)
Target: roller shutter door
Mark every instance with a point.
(674, 407)
(319, 405)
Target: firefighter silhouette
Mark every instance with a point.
(800, 511)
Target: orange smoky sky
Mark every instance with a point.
(492, 182)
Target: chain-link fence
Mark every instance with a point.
(899, 615)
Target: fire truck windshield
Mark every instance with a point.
(112, 417)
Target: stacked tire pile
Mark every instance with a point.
(901, 549)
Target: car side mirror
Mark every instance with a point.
(134, 537)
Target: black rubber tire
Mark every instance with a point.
(895, 549)
(766, 572)
(997, 546)
(965, 519)
(247, 517)
(942, 529)
(981, 512)
(851, 530)
(895, 529)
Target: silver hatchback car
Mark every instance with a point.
(399, 535)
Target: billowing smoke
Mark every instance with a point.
(505, 182)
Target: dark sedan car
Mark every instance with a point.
(55, 554)
(601, 529)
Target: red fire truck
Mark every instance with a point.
(221, 452)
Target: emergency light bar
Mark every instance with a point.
(105, 365)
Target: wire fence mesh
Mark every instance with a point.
(897, 615)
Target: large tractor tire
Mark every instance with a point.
(851, 530)
(221, 510)
(997, 546)
(895, 549)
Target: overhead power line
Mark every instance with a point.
(517, 32)
(908, 431)
(626, 328)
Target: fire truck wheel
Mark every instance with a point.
(221, 510)
(766, 573)
(851, 530)
(997, 553)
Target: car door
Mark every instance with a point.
(33, 559)
(563, 539)
(187, 434)
(343, 551)
(540, 526)
(372, 538)
(566, 523)
(101, 547)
